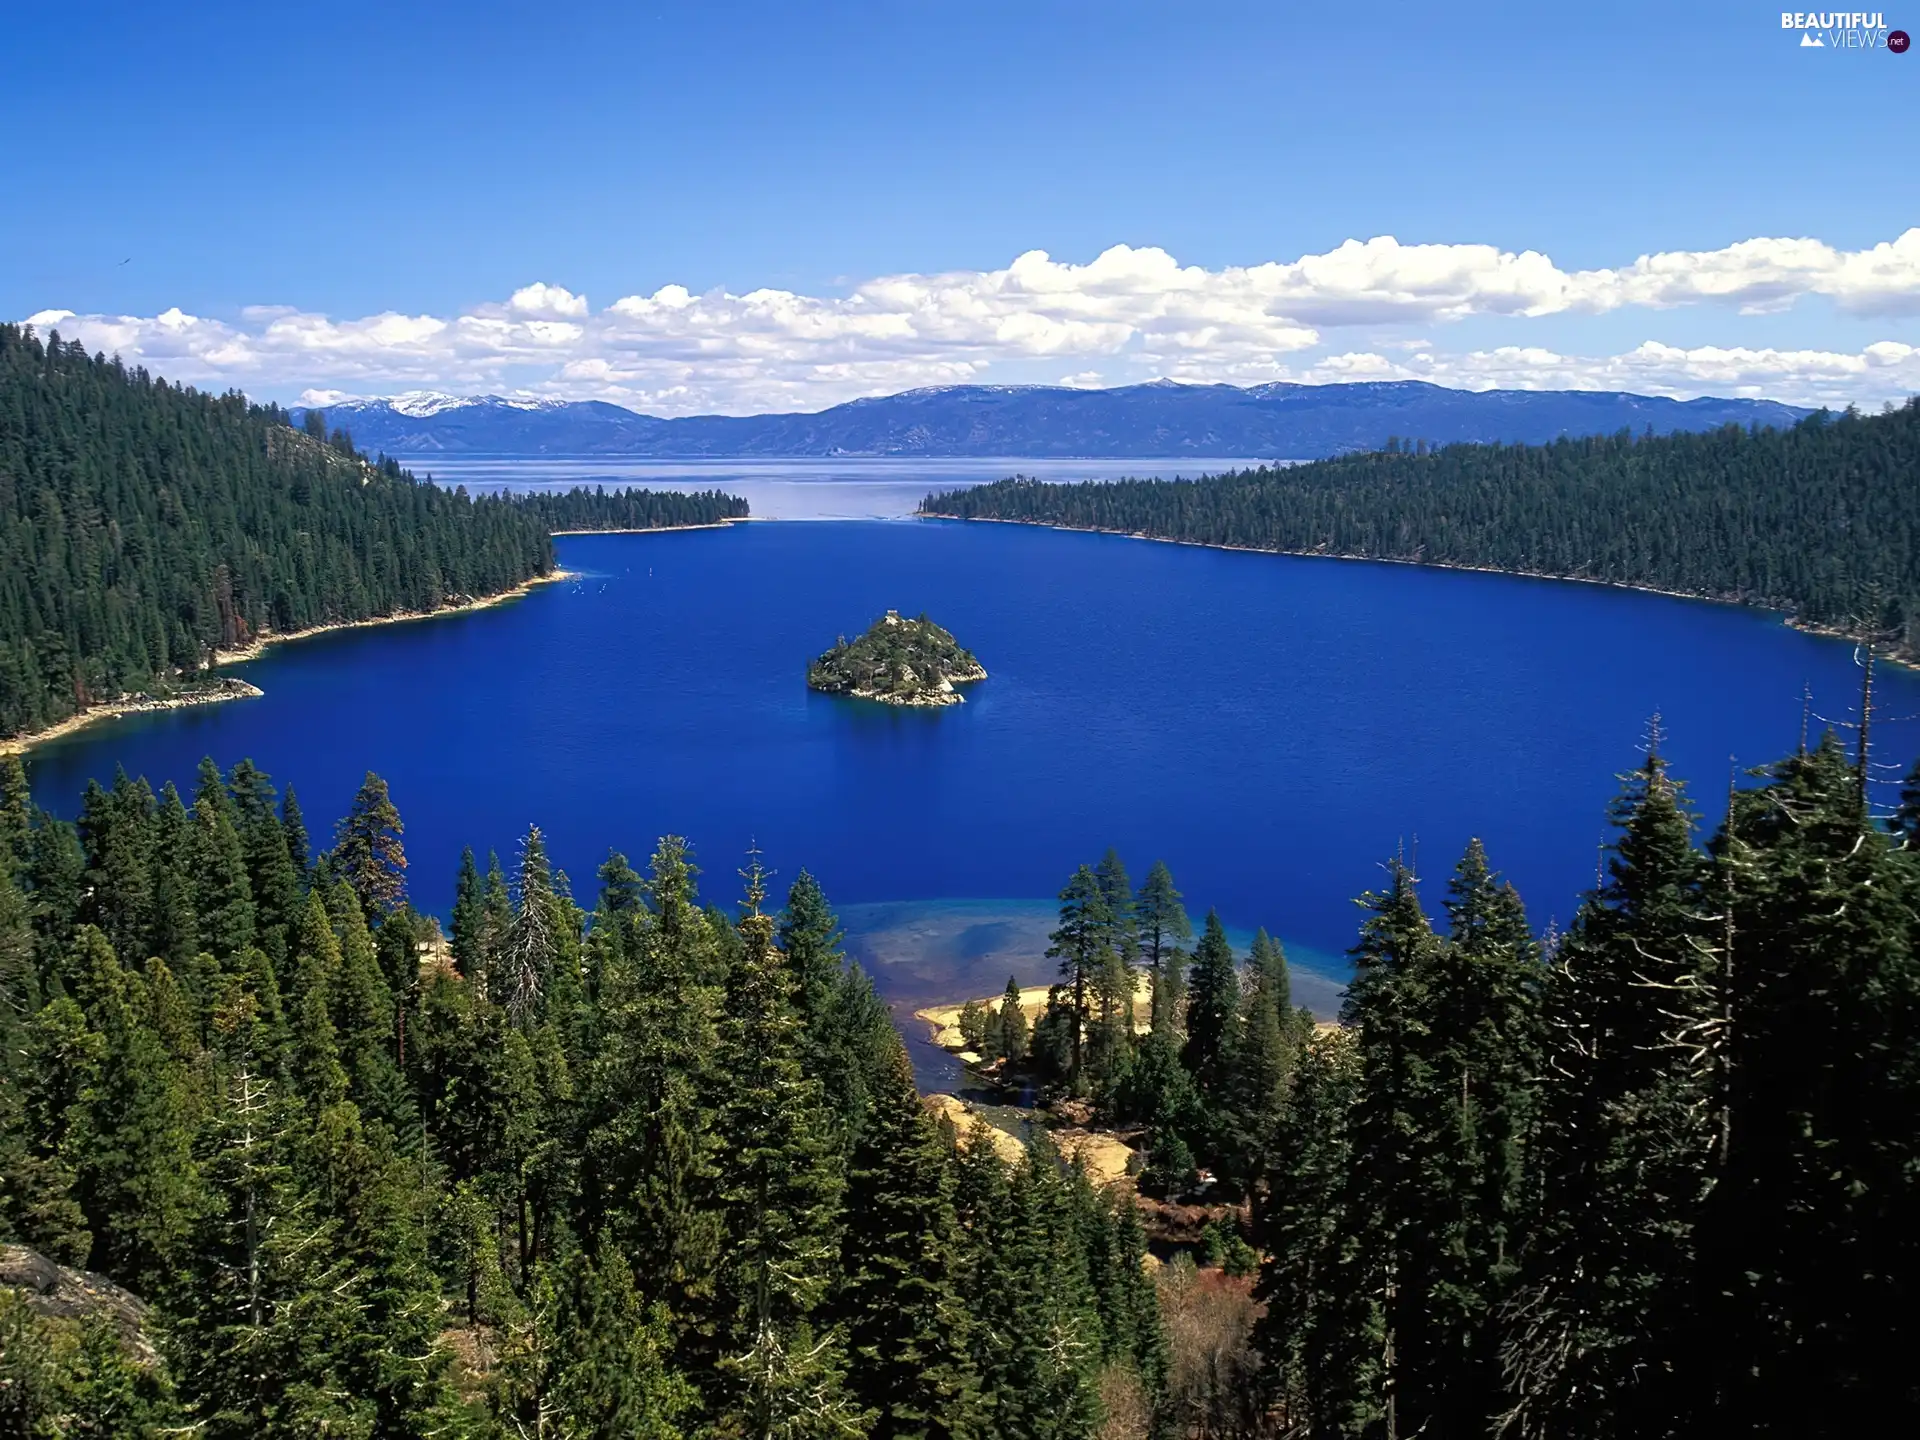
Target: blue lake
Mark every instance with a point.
(1273, 728)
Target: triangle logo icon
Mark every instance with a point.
(1810, 42)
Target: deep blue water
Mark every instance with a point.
(1273, 728)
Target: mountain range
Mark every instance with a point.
(1161, 419)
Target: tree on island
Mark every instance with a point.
(897, 662)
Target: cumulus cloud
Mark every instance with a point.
(1881, 371)
(1129, 313)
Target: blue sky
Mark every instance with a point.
(349, 202)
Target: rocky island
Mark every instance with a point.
(897, 662)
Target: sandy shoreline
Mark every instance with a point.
(229, 689)
(255, 649)
(1792, 622)
(659, 529)
(232, 688)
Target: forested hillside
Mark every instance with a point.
(659, 1169)
(655, 1170)
(1158, 419)
(1810, 519)
(144, 526)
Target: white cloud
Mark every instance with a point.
(1881, 371)
(539, 299)
(1129, 313)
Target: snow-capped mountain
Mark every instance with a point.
(418, 404)
(1160, 419)
(426, 422)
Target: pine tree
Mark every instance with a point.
(1011, 1026)
(1132, 1334)
(1483, 1051)
(317, 1074)
(1389, 1213)
(1032, 1299)
(1813, 1157)
(55, 882)
(271, 876)
(1264, 1057)
(1115, 986)
(59, 1064)
(780, 1372)
(363, 1005)
(376, 1202)
(606, 1373)
(174, 928)
(614, 937)
(260, 1330)
(496, 927)
(533, 938)
(468, 916)
(909, 1367)
(1315, 1318)
(1081, 945)
(1213, 1016)
(16, 809)
(131, 1140)
(1599, 1330)
(299, 846)
(116, 832)
(1162, 924)
(650, 1155)
(848, 1034)
(367, 852)
(810, 938)
(223, 893)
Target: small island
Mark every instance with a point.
(897, 662)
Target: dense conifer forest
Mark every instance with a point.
(1821, 519)
(143, 526)
(658, 1168)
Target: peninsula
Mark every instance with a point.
(897, 662)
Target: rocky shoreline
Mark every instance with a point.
(945, 695)
(227, 687)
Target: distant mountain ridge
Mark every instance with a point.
(1160, 419)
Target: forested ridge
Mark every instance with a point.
(144, 526)
(658, 1168)
(1821, 519)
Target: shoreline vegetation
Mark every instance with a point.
(1906, 657)
(1811, 521)
(230, 687)
(121, 581)
(658, 529)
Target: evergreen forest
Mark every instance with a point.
(1821, 520)
(145, 526)
(660, 1168)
